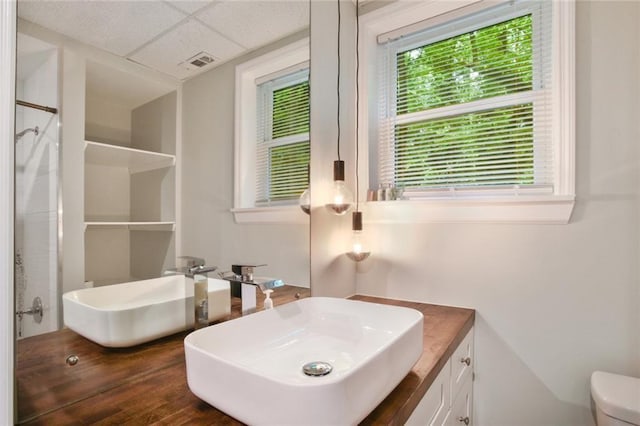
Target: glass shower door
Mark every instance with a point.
(37, 189)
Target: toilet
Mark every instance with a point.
(617, 399)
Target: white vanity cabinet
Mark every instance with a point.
(461, 412)
(449, 399)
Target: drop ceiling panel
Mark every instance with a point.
(183, 42)
(190, 6)
(115, 26)
(253, 24)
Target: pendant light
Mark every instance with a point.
(341, 197)
(358, 250)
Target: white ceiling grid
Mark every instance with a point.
(163, 34)
(188, 39)
(256, 23)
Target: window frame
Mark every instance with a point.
(477, 106)
(488, 205)
(265, 93)
(247, 77)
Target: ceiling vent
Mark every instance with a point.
(200, 60)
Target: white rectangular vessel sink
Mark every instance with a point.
(252, 368)
(127, 314)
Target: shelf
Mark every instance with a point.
(133, 226)
(136, 160)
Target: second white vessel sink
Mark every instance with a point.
(128, 314)
(253, 368)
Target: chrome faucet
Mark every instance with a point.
(242, 276)
(196, 277)
(195, 273)
(199, 270)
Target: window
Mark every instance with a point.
(271, 151)
(283, 139)
(469, 104)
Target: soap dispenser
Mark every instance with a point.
(268, 301)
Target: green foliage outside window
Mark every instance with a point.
(291, 110)
(485, 148)
(289, 170)
(288, 163)
(494, 146)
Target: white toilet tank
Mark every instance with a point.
(617, 399)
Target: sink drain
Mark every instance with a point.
(317, 368)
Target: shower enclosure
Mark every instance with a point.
(37, 205)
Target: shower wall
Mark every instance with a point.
(37, 171)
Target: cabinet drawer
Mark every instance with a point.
(461, 413)
(461, 364)
(434, 406)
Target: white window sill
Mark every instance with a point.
(552, 209)
(275, 214)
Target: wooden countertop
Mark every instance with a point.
(147, 384)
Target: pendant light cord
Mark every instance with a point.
(357, 104)
(338, 82)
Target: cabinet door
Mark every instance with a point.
(434, 406)
(462, 409)
(461, 364)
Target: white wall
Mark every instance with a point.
(332, 273)
(106, 121)
(554, 302)
(207, 225)
(72, 113)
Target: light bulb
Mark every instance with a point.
(358, 251)
(305, 197)
(341, 197)
(305, 201)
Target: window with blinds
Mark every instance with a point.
(467, 104)
(282, 154)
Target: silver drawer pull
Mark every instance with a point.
(464, 420)
(466, 360)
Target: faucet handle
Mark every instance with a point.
(192, 261)
(201, 269)
(245, 271)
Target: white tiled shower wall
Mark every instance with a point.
(37, 191)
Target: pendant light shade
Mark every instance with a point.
(359, 249)
(341, 197)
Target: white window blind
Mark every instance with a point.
(467, 104)
(282, 154)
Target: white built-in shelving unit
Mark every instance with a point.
(135, 161)
(130, 190)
